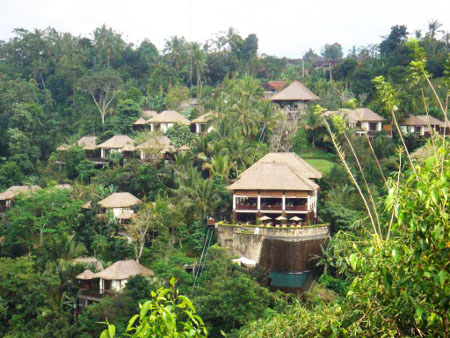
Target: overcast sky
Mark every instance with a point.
(284, 28)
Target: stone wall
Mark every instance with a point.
(247, 241)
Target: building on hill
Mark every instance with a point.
(364, 120)
(120, 203)
(294, 94)
(413, 125)
(88, 143)
(109, 281)
(148, 114)
(140, 124)
(8, 196)
(435, 124)
(199, 125)
(278, 184)
(272, 87)
(275, 220)
(157, 148)
(167, 119)
(122, 144)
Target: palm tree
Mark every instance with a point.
(237, 149)
(64, 247)
(197, 59)
(433, 28)
(175, 48)
(313, 123)
(219, 165)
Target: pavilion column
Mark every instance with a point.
(258, 206)
(234, 202)
(197, 128)
(283, 202)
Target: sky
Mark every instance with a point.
(284, 27)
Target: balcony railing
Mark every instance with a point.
(271, 207)
(296, 207)
(96, 293)
(246, 207)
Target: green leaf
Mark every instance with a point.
(353, 259)
(442, 277)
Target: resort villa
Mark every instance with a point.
(120, 203)
(7, 197)
(364, 120)
(163, 121)
(278, 188)
(294, 94)
(117, 144)
(413, 125)
(109, 281)
(199, 125)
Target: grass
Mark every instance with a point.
(319, 159)
(324, 166)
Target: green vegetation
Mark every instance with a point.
(386, 267)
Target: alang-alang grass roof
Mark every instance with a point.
(295, 92)
(124, 270)
(117, 142)
(278, 171)
(169, 116)
(17, 190)
(357, 115)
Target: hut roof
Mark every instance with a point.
(17, 190)
(294, 161)
(63, 186)
(117, 142)
(89, 260)
(413, 121)
(140, 122)
(148, 114)
(162, 141)
(203, 118)
(277, 85)
(295, 92)
(88, 142)
(273, 176)
(422, 153)
(357, 115)
(86, 275)
(63, 147)
(119, 200)
(433, 121)
(126, 214)
(124, 270)
(169, 116)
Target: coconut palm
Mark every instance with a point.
(64, 247)
(197, 61)
(219, 165)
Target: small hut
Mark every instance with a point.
(7, 197)
(198, 126)
(293, 94)
(118, 144)
(167, 119)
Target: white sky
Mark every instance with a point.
(284, 27)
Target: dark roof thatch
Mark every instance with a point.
(148, 114)
(139, 122)
(169, 116)
(17, 190)
(413, 121)
(124, 270)
(117, 142)
(86, 275)
(162, 142)
(433, 121)
(357, 115)
(89, 261)
(203, 118)
(119, 200)
(278, 171)
(295, 92)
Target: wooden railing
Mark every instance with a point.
(246, 207)
(96, 293)
(296, 207)
(271, 207)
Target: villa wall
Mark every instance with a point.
(247, 241)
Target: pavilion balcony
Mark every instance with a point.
(296, 208)
(246, 207)
(96, 293)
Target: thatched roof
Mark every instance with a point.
(126, 214)
(63, 186)
(433, 121)
(140, 122)
(124, 270)
(294, 161)
(17, 190)
(162, 142)
(88, 142)
(273, 176)
(203, 118)
(422, 153)
(86, 275)
(117, 142)
(169, 116)
(148, 114)
(357, 115)
(119, 200)
(88, 261)
(295, 92)
(413, 121)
